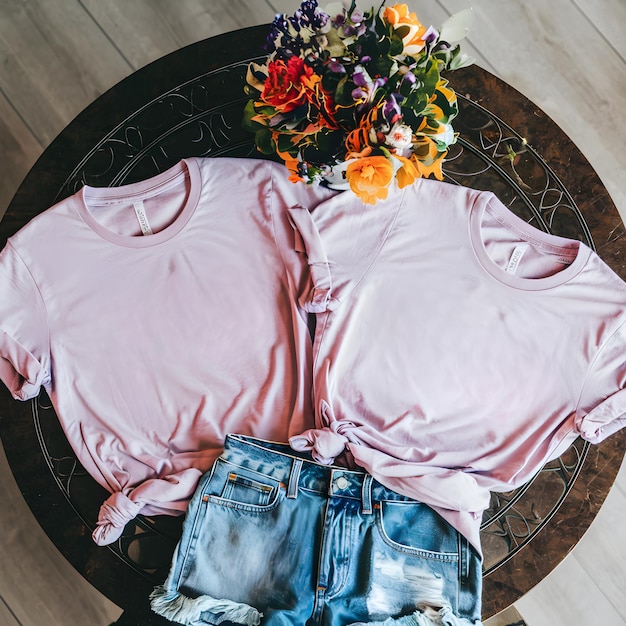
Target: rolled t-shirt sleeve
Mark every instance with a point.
(602, 407)
(24, 337)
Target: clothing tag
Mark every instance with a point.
(142, 218)
(516, 257)
(566, 260)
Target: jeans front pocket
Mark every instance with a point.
(249, 541)
(414, 561)
(414, 528)
(242, 489)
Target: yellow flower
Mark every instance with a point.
(427, 158)
(448, 93)
(411, 29)
(369, 178)
(433, 168)
(407, 172)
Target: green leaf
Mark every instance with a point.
(383, 66)
(266, 110)
(247, 123)
(411, 117)
(450, 110)
(430, 78)
(402, 31)
(396, 48)
(264, 141)
(343, 92)
(285, 144)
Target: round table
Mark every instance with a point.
(190, 103)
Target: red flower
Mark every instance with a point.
(286, 85)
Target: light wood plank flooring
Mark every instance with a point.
(56, 56)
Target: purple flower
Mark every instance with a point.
(360, 76)
(357, 27)
(312, 16)
(365, 86)
(336, 67)
(430, 36)
(357, 93)
(357, 16)
(295, 20)
(284, 36)
(280, 24)
(339, 20)
(354, 30)
(269, 46)
(391, 109)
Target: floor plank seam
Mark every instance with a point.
(10, 610)
(106, 35)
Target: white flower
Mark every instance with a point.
(335, 177)
(399, 137)
(456, 27)
(445, 134)
(462, 60)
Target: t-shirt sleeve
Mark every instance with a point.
(339, 238)
(602, 407)
(24, 339)
(297, 238)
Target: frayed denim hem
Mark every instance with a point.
(188, 611)
(426, 617)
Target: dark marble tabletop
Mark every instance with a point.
(190, 103)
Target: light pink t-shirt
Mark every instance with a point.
(159, 317)
(457, 348)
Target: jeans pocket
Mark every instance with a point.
(414, 528)
(245, 544)
(243, 488)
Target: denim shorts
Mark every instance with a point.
(273, 538)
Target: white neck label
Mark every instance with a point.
(142, 218)
(516, 257)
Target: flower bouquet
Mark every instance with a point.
(355, 99)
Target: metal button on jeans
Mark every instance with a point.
(341, 482)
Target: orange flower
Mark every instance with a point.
(291, 163)
(322, 103)
(411, 29)
(358, 143)
(369, 178)
(407, 173)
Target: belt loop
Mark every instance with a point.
(294, 477)
(366, 495)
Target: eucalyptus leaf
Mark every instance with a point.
(247, 122)
(264, 141)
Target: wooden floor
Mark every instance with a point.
(56, 56)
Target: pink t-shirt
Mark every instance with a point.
(457, 348)
(159, 317)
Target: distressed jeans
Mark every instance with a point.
(273, 538)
